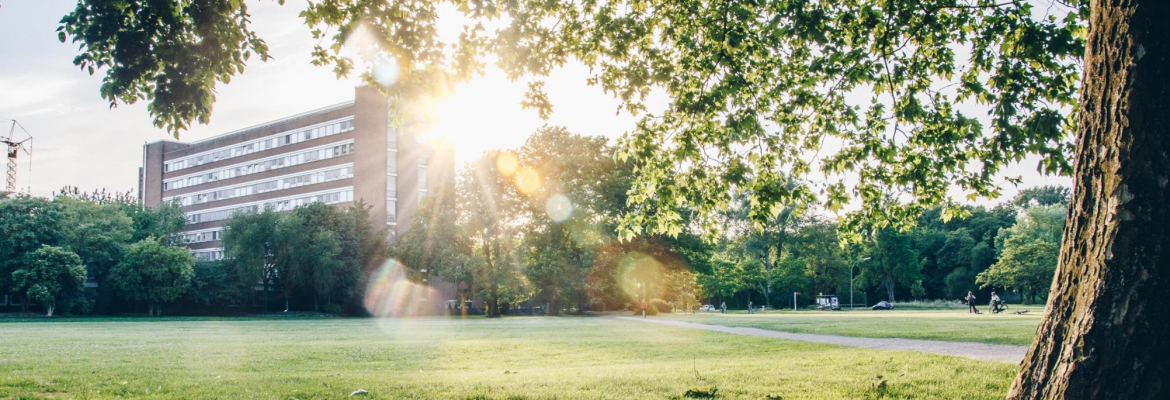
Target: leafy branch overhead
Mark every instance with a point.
(891, 102)
(169, 53)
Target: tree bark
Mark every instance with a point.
(890, 288)
(49, 308)
(1104, 335)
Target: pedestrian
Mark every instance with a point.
(995, 303)
(643, 308)
(750, 309)
(971, 303)
(723, 308)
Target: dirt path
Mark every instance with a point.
(979, 351)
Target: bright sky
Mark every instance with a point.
(80, 141)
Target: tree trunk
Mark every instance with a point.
(49, 308)
(890, 289)
(1104, 333)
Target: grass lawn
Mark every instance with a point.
(948, 325)
(510, 358)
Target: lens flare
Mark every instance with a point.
(391, 294)
(558, 207)
(507, 162)
(385, 71)
(641, 275)
(527, 181)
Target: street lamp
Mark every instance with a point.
(851, 304)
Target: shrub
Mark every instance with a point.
(331, 308)
(660, 305)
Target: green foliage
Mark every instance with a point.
(250, 240)
(153, 272)
(50, 276)
(26, 224)
(1029, 251)
(318, 252)
(171, 54)
(895, 262)
(660, 305)
(1042, 196)
(163, 222)
(213, 283)
(97, 232)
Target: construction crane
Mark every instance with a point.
(14, 147)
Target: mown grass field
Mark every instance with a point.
(431, 358)
(947, 325)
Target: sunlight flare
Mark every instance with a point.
(558, 207)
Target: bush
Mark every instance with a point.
(650, 308)
(331, 308)
(660, 305)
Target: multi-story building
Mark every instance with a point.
(336, 155)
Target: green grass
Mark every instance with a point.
(947, 325)
(511, 358)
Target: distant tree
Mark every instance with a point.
(26, 225)
(164, 222)
(764, 239)
(250, 240)
(681, 288)
(1028, 252)
(213, 283)
(489, 200)
(437, 243)
(153, 272)
(1042, 196)
(724, 280)
(319, 252)
(816, 245)
(98, 230)
(559, 201)
(51, 276)
(894, 263)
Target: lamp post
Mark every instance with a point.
(854, 265)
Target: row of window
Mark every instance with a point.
(320, 153)
(265, 143)
(340, 196)
(268, 186)
(208, 255)
(203, 236)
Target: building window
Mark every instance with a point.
(391, 212)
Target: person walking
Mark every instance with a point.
(723, 308)
(971, 303)
(643, 308)
(995, 303)
(750, 309)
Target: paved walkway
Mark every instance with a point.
(979, 351)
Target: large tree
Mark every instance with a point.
(51, 276)
(1028, 252)
(153, 272)
(250, 240)
(26, 224)
(758, 89)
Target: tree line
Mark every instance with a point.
(540, 226)
(104, 253)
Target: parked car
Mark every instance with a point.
(707, 307)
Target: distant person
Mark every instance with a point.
(643, 308)
(971, 302)
(723, 308)
(995, 302)
(750, 309)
